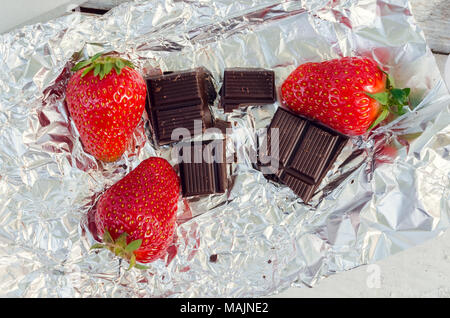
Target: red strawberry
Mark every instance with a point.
(136, 216)
(350, 94)
(106, 98)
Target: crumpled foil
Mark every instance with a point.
(388, 191)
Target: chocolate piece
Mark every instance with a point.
(290, 129)
(247, 86)
(305, 151)
(177, 100)
(203, 168)
(222, 125)
(313, 153)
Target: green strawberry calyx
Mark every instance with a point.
(102, 65)
(120, 248)
(392, 101)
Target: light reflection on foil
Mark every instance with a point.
(258, 238)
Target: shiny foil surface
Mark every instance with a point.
(388, 191)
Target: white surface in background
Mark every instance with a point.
(19, 12)
(423, 271)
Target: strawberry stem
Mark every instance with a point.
(120, 248)
(393, 100)
(102, 64)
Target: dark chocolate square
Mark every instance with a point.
(305, 151)
(313, 153)
(205, 173)
(247, 86)
(290, 130)
(177, 100)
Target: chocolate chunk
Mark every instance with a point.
(305, 151)
(177, 100)
(247, 86)
(294, 181)
(290, 130)
(203, 167)
(222, 125)
(313, 153)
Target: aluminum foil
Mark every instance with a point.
(258, 238)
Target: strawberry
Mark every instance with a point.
(351, 94)
(136, 216)
(106, 99)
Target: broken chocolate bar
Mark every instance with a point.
(203, 167)
(177, 100)
(247, 86)
(305, 151)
